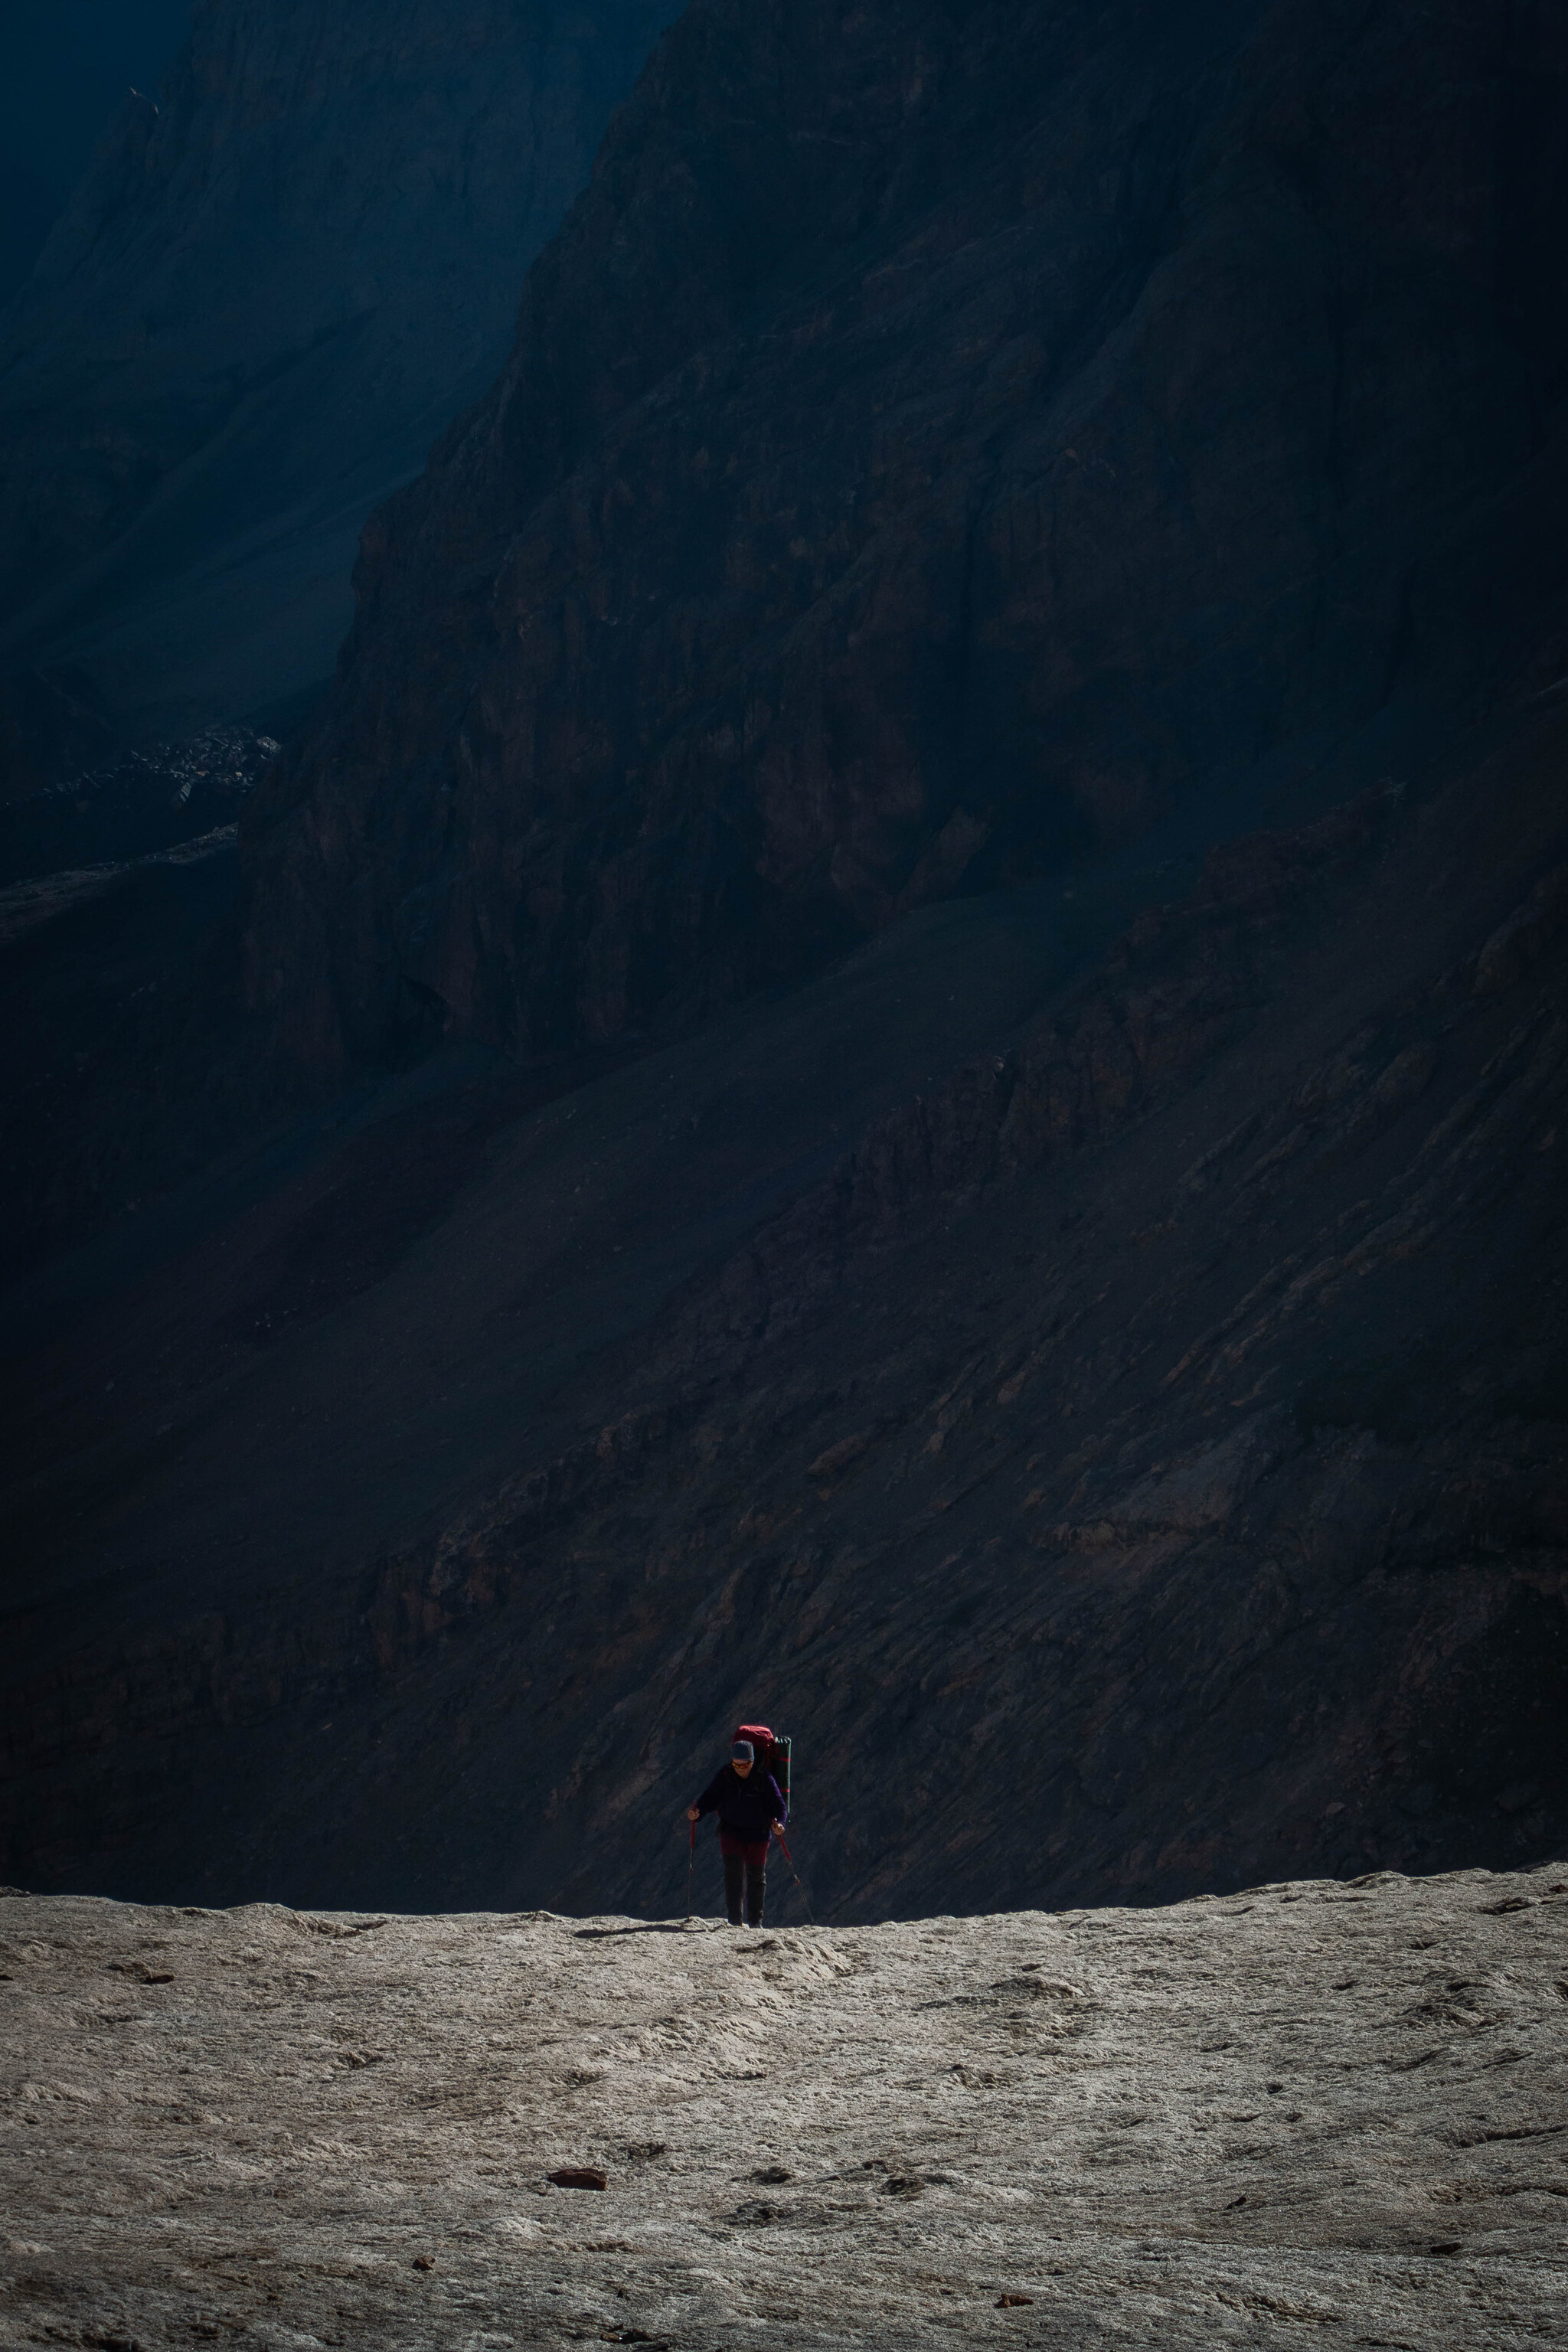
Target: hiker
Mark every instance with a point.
(750, 1810)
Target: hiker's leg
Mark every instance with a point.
(734, 1867)
(756, 1888)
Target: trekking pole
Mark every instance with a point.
(795, 1875)
(691, 1866)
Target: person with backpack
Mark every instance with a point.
(752, 1808)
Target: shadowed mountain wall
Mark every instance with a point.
(1099, 1331)
(944, 438)
(1128, 1453)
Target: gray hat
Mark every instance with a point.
(744, 1752)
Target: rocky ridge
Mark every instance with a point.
(1314, 2105)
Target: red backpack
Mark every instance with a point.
(773, 1754)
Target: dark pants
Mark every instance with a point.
(741, 1871)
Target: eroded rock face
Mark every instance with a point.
(1319, 2104)
(269, 297)
(939, 440)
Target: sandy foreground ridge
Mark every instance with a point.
(1312, 2113)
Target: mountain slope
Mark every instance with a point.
(269, 296)
(1091, 1336)
(943, 440)
(1163, 1410)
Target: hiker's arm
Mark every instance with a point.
(708, 1802)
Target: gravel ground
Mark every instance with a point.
(1241, 2119)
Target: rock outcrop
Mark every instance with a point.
(940, 441)
(270, 295)
(1317, 2108)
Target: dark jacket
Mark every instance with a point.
(746, 1809)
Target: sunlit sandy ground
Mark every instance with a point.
(1311, 2113)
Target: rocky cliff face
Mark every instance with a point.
(272, 292)
(942, 440)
